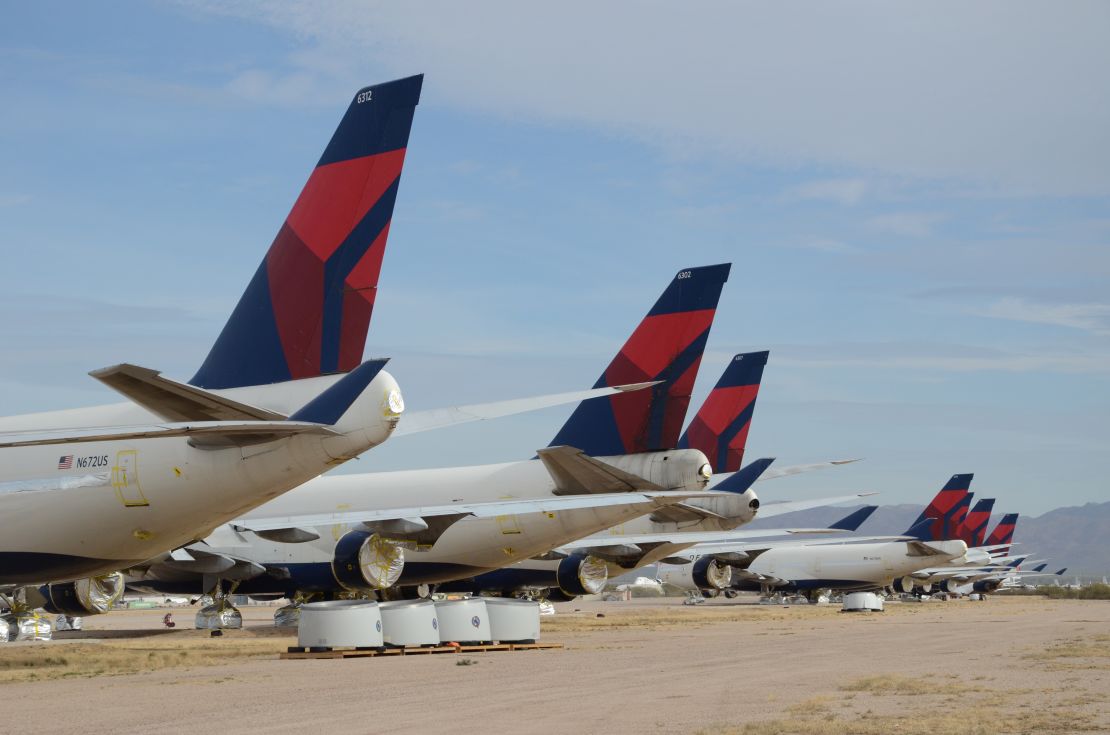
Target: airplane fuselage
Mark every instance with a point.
(83, 509)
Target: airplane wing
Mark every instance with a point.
(800, 468)
(688, 537)
(214, 433)
(174, 401)
(490, 509)
(770, 510)
(577, 473)
(416, 421)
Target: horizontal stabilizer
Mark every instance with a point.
(440, 418)
(798, 469)
(208, 433)
(770, 510)
(576, 473)
(172, 401)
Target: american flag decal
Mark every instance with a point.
(66, 462)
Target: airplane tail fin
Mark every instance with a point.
(922, 530)
(307, 309)
(942, 508)
(1061, 572)
(1039, 568)
(329, 406)
(667, 346)
(1003, 533)
(974, 527)
(744, 478)
(854, 520)
(720, 427)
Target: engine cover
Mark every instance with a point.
(582, 575)
(90, 596)
(710, 574)
(366, 561)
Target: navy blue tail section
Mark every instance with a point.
(739, 481)
(307, 309)
(854, 520)
(667, 346)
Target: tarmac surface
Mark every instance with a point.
(647, 666)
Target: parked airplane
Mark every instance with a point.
(719, 430)
(87, 491)
(338, 519)
(806, 567)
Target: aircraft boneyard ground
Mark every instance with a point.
(1020, 665)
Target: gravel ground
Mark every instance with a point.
(646, 666)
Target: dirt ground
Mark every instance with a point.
(1020, 665)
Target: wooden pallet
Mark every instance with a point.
(295, 652)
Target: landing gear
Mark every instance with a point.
(19, 622)
(221, 614)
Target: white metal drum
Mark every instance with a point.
(408, 623)
(862, 602)
(464, 621)
(340, 624)
(513, 621)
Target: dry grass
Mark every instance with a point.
(693, 616)
(980, 720)
(180, 649)
(880, 684)
(1075, 653)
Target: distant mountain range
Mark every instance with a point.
(1076, 537)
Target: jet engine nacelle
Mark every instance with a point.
(986, 586)
(582, 575)
(905, 584)
(924, 587)
(705, 573)
(950, 586)
(678, 469)
(366, 561)
(83, 597)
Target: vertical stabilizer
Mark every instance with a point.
(667, 346)
(720, 428)
(307, 309)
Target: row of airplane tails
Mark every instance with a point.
(218, 485)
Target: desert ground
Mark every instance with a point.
(1017, 665)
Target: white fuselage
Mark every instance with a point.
(840, 565)
(471, 545)
(82, 509)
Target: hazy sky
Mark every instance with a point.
(915, 198)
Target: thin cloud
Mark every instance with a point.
(1088, 317)
(906, 224)
(875, 87)
(848, 192)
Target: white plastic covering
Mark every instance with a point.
(410, 623)
(513, 620)
(381, 562)
(340, 624)
(464, 621)
(64, 622)
(28, 626)
(222, 616)
(288, 616)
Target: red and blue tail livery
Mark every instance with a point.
(307, 309)
(950, 502)
(667, 346)
(974, 528)
(720, 428)
(1003, 533)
